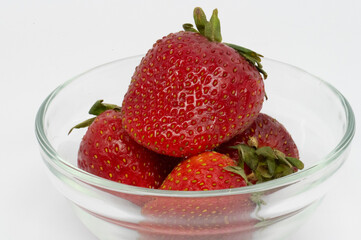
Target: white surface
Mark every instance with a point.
(43, 43)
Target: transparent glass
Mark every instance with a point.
(319, 118)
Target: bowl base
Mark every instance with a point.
(272, 229)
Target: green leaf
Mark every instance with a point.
(189, 28)
(259, 177)
(248, 52)
(263, 170)
(265, 162)
(99, 107)
(281, 156)
(210, 29)
(295, 162)
(249, 156)
(266, 152)
(251, 56)
(271, 163)
(237, 170)
(283, 170)
(83, 124)
(200, 19)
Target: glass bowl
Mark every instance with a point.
(318, 117)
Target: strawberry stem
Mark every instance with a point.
(212, 30)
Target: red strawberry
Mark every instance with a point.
(214, 217)
(269, 132)
(200, 218)
(107, 151)
(265, 131)
(191, 92)
(203, 172)
(203, 218)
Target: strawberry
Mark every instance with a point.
(191, 92)
(265, 133)
(203, 172)
(227, 217)
(107, 151)
(202, 218)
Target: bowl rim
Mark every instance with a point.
(61, 164)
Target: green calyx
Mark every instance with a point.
(98, 108)
(266, 163)
(251, 56)
(212, 31)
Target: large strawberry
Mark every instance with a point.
(191, 92)
(107, 151)
(261, 146)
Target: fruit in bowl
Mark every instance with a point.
(198, 113)
(108, 151)
(191, 92)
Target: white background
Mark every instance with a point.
(44, 43)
